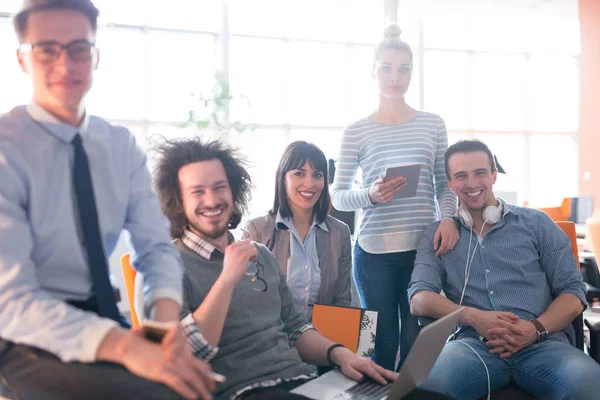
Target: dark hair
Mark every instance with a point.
(84, 6)
(468, 146)
(294, 157)
(176, 154)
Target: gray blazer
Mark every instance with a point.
(334, 249)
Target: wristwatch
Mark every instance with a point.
(542, 332)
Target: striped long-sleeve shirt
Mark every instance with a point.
(397, 225)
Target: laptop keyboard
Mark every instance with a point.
(368, 390)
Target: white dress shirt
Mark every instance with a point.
(303, 271)
(42, 260)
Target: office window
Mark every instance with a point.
(500, 33)
(342, 21)
(306, 69)
(510, 152)
(130, 12)
(327, 140)
(178, 65)
(140, 136)
(498, 92)
(414, 94)
(122, 65)
(446, 86)
(263, 149)
(411, 30)
(335, 20)
(455, 137)
(178, 14)
(363, 93)
(193, 15)
(259, 71)
(554, 170)
(262, 21)
(553, 35)
(157, 132)
(307, 74)
(150, 135)
(506, 83)
(554, 93)
(10, 6)
(13, 82)
(446, 31)
(318, 84)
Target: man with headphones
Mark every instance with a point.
(514, 272)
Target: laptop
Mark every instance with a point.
(416, 368)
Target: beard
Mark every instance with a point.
(213, 230)
(214, 233)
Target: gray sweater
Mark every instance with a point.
(255, 344)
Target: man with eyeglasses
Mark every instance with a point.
(70, 183)
(235, 296)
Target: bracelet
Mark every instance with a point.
(329, 350)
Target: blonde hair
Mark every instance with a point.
(391, 41)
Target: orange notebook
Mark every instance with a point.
(355, 328)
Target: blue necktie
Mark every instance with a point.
(88, 215)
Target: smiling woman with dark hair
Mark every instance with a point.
(313, 248)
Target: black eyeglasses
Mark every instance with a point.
(254, 270)
(48, 51)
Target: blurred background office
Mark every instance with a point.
(520, 75)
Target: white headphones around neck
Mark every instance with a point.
(491, 215)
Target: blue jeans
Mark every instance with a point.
(382, 281)
(548, 370)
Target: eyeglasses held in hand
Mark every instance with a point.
(47, 52)
(255, 269)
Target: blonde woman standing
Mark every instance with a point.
(390, 228)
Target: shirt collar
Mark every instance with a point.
(504, 206)
(202, 247)
(53, 125)
(287, 221)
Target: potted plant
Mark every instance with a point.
(209, 113)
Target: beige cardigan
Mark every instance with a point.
(334, 249)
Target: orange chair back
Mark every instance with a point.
(561, 213)
(129, 278)
(568, 227)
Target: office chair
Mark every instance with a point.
(347, 217)
(129, 278)
(588, 267)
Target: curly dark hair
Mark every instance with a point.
(294, 157)
(176, 154)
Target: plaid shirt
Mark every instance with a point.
(201, 348)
